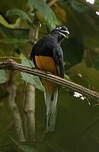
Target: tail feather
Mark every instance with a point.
(51, 108)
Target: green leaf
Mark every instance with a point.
(21, 14)
(45, 11)
(15, 33)
(3, 77)
(80, 7)
(7, 31)
(66, 77)
(14, 36)
(5, 23)
(34, 80)
(22, 147)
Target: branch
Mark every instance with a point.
(15, 112)
(12, 65)
(29, 112)
(10, 57)
(52, 3)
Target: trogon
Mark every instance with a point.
(47, 56)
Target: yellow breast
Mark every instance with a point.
(47, 64)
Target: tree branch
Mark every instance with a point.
(52, 3)
(12, 65)
(29, 112)
(15, 112)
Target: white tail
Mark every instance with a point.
(51, 106)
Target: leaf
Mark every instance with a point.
(14, 36)
(15, 33)
(61, 13)
(7, 31)
(45, 11)
(21, 14)
(96, 62)
(22, 147)
(66, 77)
(34, 80)
(5, 23)
(80, 7)
(3, 77)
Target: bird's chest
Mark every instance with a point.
(45, 63)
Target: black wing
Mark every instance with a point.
(43, 47)
(37, 49)
(58, 58)
(32, 55)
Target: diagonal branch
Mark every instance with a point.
(12, 65)
(52, 3)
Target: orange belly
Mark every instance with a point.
(47, 64)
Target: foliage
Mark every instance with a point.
(22, 147)
(34, 80)
(7, 31)
(77, 127)
(5, 23)
(14, 36)
(21, 14)
(3, 77)
(78, 6)
(45, 12)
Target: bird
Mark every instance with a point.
(47, 56)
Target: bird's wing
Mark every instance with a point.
(32, 55)
(58, 58)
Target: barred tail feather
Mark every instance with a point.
(51, 107)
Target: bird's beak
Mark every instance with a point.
(65, 33)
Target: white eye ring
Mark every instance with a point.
(59, 28)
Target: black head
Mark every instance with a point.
(61, 31)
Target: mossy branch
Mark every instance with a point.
(12, 65)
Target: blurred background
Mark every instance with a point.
(22, 24)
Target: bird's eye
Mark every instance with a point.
(59, 28)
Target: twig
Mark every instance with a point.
(9, 57)
(12, 65)
(52, 3)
